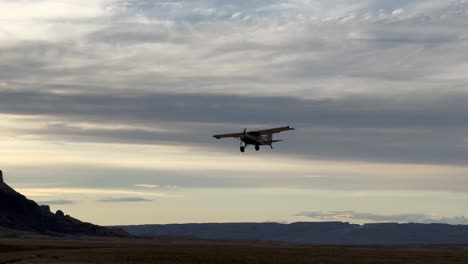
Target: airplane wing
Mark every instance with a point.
(270, 131)
(234, 135)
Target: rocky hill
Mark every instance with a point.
(19, 213)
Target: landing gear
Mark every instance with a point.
(257, 147)
(242, 148)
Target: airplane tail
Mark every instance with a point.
(274, 141)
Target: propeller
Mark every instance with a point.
(243, 135)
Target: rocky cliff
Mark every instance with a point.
(18, 212)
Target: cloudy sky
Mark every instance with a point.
(108, 106)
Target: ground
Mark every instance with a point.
(93, 250)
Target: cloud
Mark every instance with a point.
(400, 218)
(398, 12)
(419, 128)
(38, 192)
(56, 202)
(357, 82)
(147, 185)
(51, 9)
(269, 52)
(124, 200)
(152, 186)
(352, 111)
(46, 20)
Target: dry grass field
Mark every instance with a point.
(42, 250)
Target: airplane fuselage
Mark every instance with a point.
(256, 140)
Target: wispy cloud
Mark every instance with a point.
(56, 202)
(151, 186)
(38, 192)
(51, 10)
(124, 200)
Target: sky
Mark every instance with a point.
(108, 106)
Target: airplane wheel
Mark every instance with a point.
(242, 148)
(257, 147)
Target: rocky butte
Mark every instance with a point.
(19, 213)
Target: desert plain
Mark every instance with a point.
(124, 250)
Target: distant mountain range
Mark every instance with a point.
(19, 213)
(313, 233)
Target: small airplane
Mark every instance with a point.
(257, 138)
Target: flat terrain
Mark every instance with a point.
(76, 251)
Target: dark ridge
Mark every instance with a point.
(331, 233)
(19, 213)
